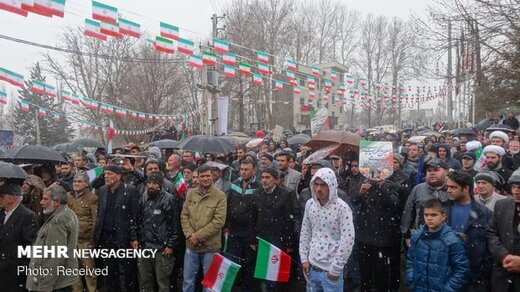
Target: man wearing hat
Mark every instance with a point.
(156, 226)
(18, 227)
(433, 187)
(467, 160)
(266, 160)
(502, 234)
(494, 156)
(499, 138)
(486, 195)
(116, 207)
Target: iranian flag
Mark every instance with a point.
(263, 69)
(42, 112)
(178, 180)
(328, 85)
(47, 8)
(221, 274)
(333, 76)
(129, 28)
(185, 46)
(229, 59)
(75, 99)
(262, 57)
(169, 31)
(291, 65)
(3, 98)
(164, 45)
(312, 94)
(134, 114)
(290, 74)
(56, 117)
(311, 80)
(196, 61)
(315, 71)
(111, 29)
(278, 85)
(293, 82)
(93, 29)
(103, 12)
(311, 86)
(94, 173)
(229, 71)
(107, 109)
(209, 58)
(13, 6)
(257, 79)
(111, 132)
(24, 105)
(42, 88)
(244, 68)
(141, 116)
(65, 95)
(272, 263)
(120, 112)
(349, 78)
(11, 77)
(221, 46)
(297, 90)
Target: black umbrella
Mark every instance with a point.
(165, 144)
(207, 144)
(87, 142)
(463, 132)
(11, 171)
(500, 127)
(32, 154)
(67, 148)
(298, 139)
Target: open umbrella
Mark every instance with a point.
(67, 148)
(87, 142)
(11, 171)
(417, 139)
(207, 144)
(298, 139)
(463, 132)
(165, 144)
(500, 127)
(348, 141)
(32, 154)
(431, 133)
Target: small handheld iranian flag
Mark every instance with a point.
(272, 263)
(221, 274)
(180, 184)
(94, 173)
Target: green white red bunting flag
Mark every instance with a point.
(263, 68)
(221, 46)
(111, 29)
(272, 263)
(257, 79)
(47, 8)
(221, 274)
(333, 76)
(229, 59)
(129, 28)
(13, 6)
(42, 88)
(56, 116)
(164, 45)
(315, 71)
(229, 71)
(42, 112)
(11, 77)
(296, 90)
(93, 29)
(185, 46)
(169, 31)
(291, 65)
(24, 105)
(103, 12)
(196, 61)
(3, 98)
(262, 57)
(290, 74)
(278, 85)
(244, 68)
(209, 58)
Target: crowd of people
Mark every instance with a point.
(438, 223)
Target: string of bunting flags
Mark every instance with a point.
(105, 22)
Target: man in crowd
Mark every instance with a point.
(238, 218)
(444, 154)
(469, 219)
(67, 174)
(84, 204)
(266, 160)
(354, 179)
(413, 156)
(219, 181)
(327, 222)
(116, 207)
(60, 229)
(241, 151)
(156, 226)
(18, 228)
(499, 138)
(187, 174)
(486, 195)
(514, 152)
(153, 165)
(32, 190)
(434, 187)
(511, 121)
(203, 216)
(502, 234)
(187, 158)
(468, 161)
(291, 177)
(175, 175)
(80, 161)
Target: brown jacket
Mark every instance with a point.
(85, 207)
(32, 199)
(204, 216)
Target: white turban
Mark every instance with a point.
(499, 134)
(494, 149)
(473, 145)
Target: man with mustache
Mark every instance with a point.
(493, 154)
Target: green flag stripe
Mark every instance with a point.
(262, 260)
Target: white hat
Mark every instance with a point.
(499, 134)
(473, 145)
(494, 149)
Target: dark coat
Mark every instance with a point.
(503, 239)
(123, 214)
(19, 230)
(437, 261)
(239, 202)
(476, 242)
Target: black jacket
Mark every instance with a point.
(19, 230)
(272, 217)
(239, 202)
(123, 214)
(378, 215)
(157, 222)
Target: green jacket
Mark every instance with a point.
(204, 216)
(60, 229)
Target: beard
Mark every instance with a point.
(492, 166)
(153, 192)
(48, 210)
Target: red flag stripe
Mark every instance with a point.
(212, 274)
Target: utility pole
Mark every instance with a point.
(212, 77)
(38, 134)
(449, 83)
